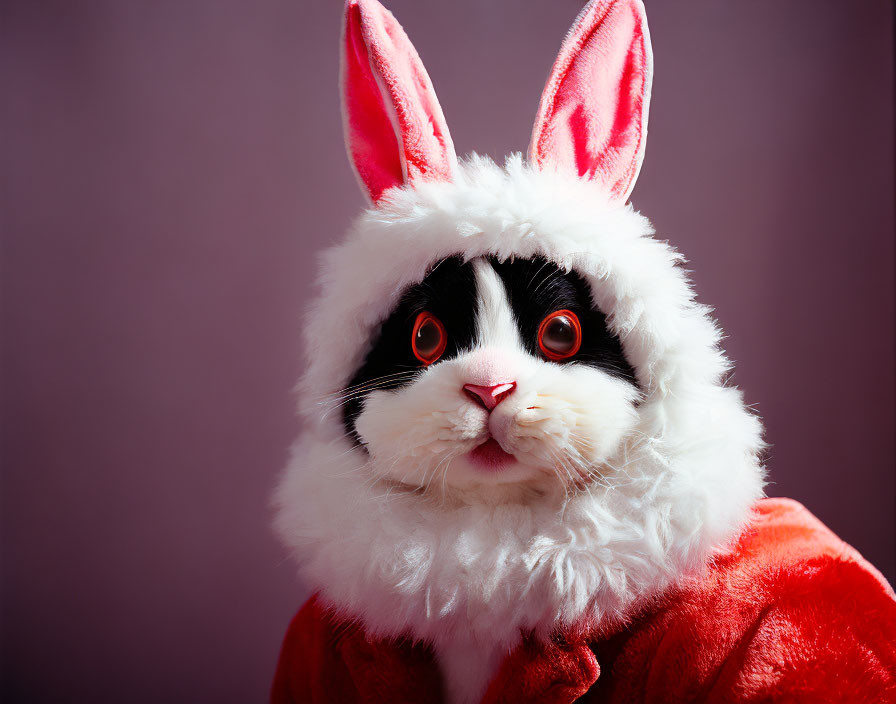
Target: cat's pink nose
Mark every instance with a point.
(489, 396)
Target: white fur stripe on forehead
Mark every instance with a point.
(395, 132)
(495, 324)
(592, 120)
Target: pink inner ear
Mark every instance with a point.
(592, 119)
(394, 128)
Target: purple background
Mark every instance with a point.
(169, 170)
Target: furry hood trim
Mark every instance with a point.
(687, 477)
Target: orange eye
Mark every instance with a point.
(428, 339)
(560, 335)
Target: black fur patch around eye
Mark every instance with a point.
(449, 293)
(537, 287)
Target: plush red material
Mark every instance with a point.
(394, 128)
(791, 614)
(592, 119)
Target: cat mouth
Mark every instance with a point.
(490, 455)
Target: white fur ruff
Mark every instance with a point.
(470, 575)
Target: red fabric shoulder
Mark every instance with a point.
(790, 614)
(309, 669)
(327, 660)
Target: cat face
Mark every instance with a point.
(493, 373)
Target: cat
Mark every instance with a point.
(517, 417)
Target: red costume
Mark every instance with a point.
(790, 614)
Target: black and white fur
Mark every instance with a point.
(560, 423)
(389, 522)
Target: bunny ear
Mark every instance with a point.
(592, 119)
(395, 132)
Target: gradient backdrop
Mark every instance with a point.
(169, 170)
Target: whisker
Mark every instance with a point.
(387, 378)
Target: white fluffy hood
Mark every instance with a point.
(686, 478)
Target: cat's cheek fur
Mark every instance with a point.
(415, 432)
(573, 421)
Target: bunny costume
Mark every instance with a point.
(671, 579)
